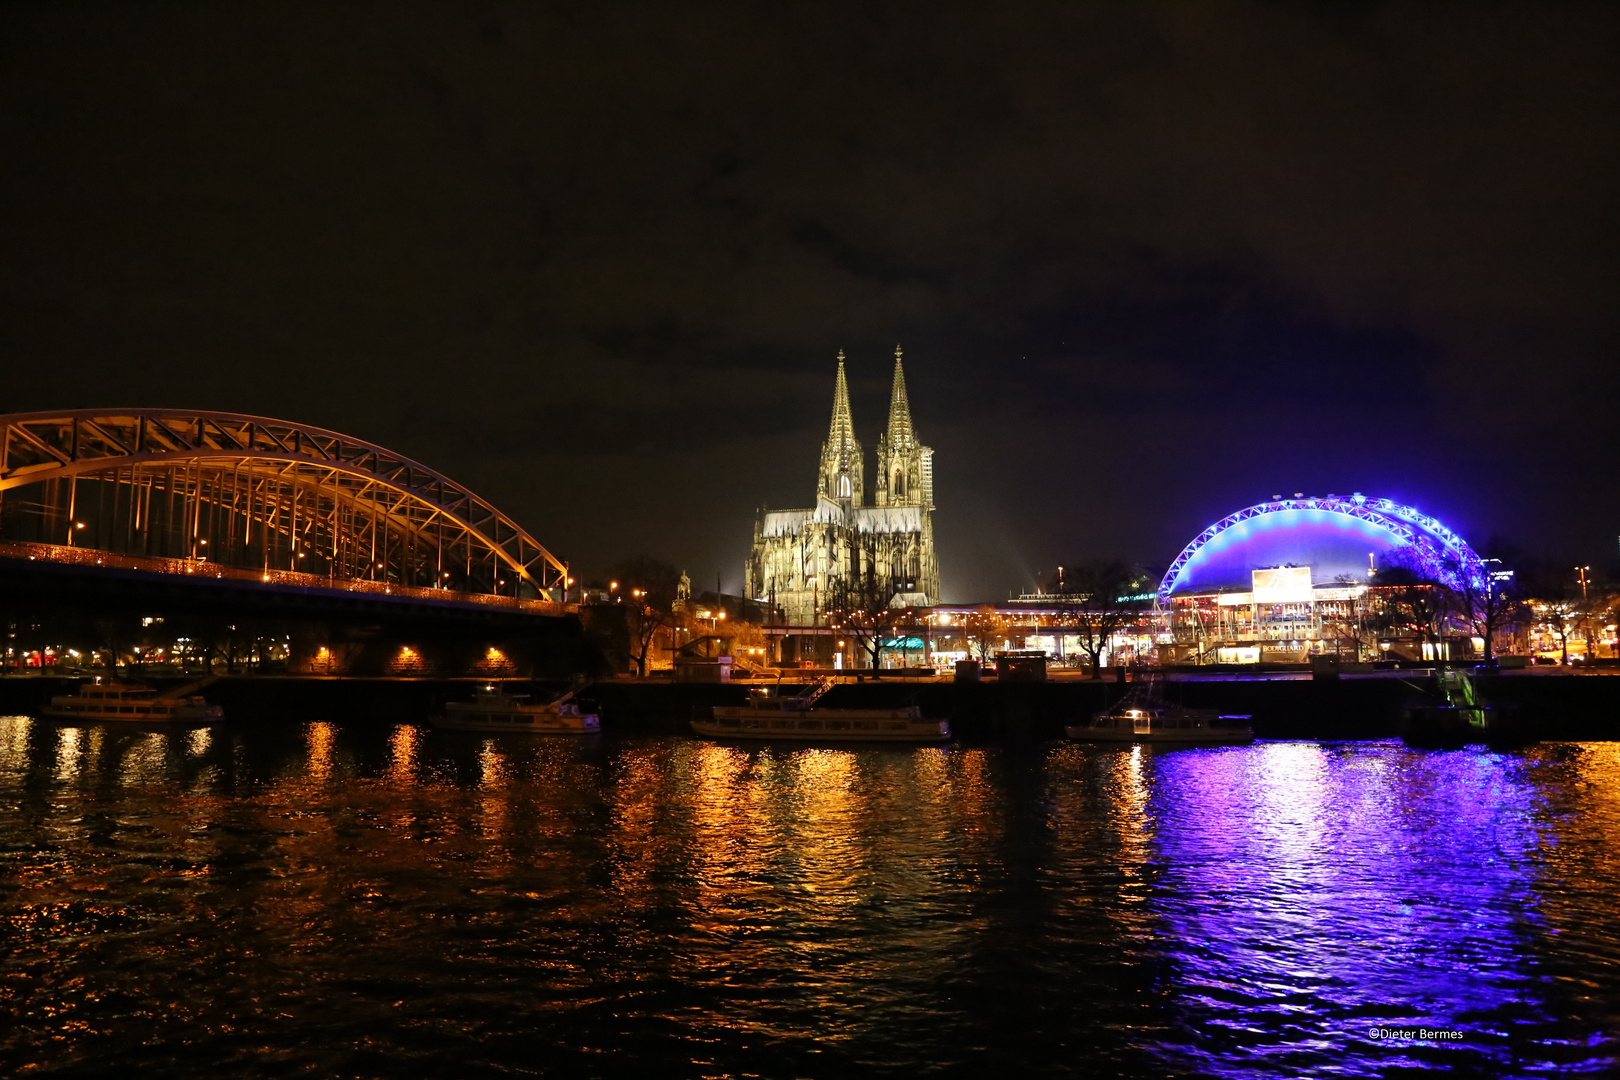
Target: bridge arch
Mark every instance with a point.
(253, 493)
(1352, 523)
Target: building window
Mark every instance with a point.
(843, 487)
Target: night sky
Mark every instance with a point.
(1148, 264)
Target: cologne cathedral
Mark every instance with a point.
(802, 558)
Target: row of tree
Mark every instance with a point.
(1095, 601)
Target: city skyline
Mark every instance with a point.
(827, 540)
(1147, 264)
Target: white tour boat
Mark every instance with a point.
(133, 703)
(768, 715)
(495, 710)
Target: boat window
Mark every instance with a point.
(728, 722)
(838, 725)
(781, 723)
(127, 709)
(897, 727)
(809, 725)
(866, 725)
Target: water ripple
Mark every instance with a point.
(390, 900)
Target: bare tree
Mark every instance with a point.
(859, 605)
(1605, 611)
(647, 589)
(984, 627)
(1489, 602)
(1556, 600)
(1413, 599)
(1100, 599)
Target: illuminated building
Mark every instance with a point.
(1291, 578)
(800, 556)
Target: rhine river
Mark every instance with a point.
(332, 899)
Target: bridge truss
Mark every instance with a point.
(250, 493)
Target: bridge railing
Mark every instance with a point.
(74, 556)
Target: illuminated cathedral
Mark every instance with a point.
(801, 558)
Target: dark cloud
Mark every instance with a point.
(1148, 262)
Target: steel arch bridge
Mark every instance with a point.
(1439, 551)
(237, 494)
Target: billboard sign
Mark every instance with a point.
(1282, 585)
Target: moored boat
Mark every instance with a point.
(1143, 716)
(133, 703)
(495, 710)
(768, 715)
(1164, 724)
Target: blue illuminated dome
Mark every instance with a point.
(1333, 536)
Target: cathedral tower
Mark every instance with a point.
(841, 455)
(905, 467)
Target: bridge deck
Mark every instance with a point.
(202, 568)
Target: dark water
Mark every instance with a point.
(376, 900)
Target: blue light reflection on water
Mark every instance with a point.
(378, 898)
(1318, 894)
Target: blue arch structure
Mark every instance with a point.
(1333, 535)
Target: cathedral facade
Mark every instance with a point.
(802, 559)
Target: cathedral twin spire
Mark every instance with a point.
(901, 460)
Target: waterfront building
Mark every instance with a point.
(1033, 622)
(1297, 577)
(800, 558)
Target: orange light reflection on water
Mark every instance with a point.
(319, 737)
(402, 756)
(494, 776)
